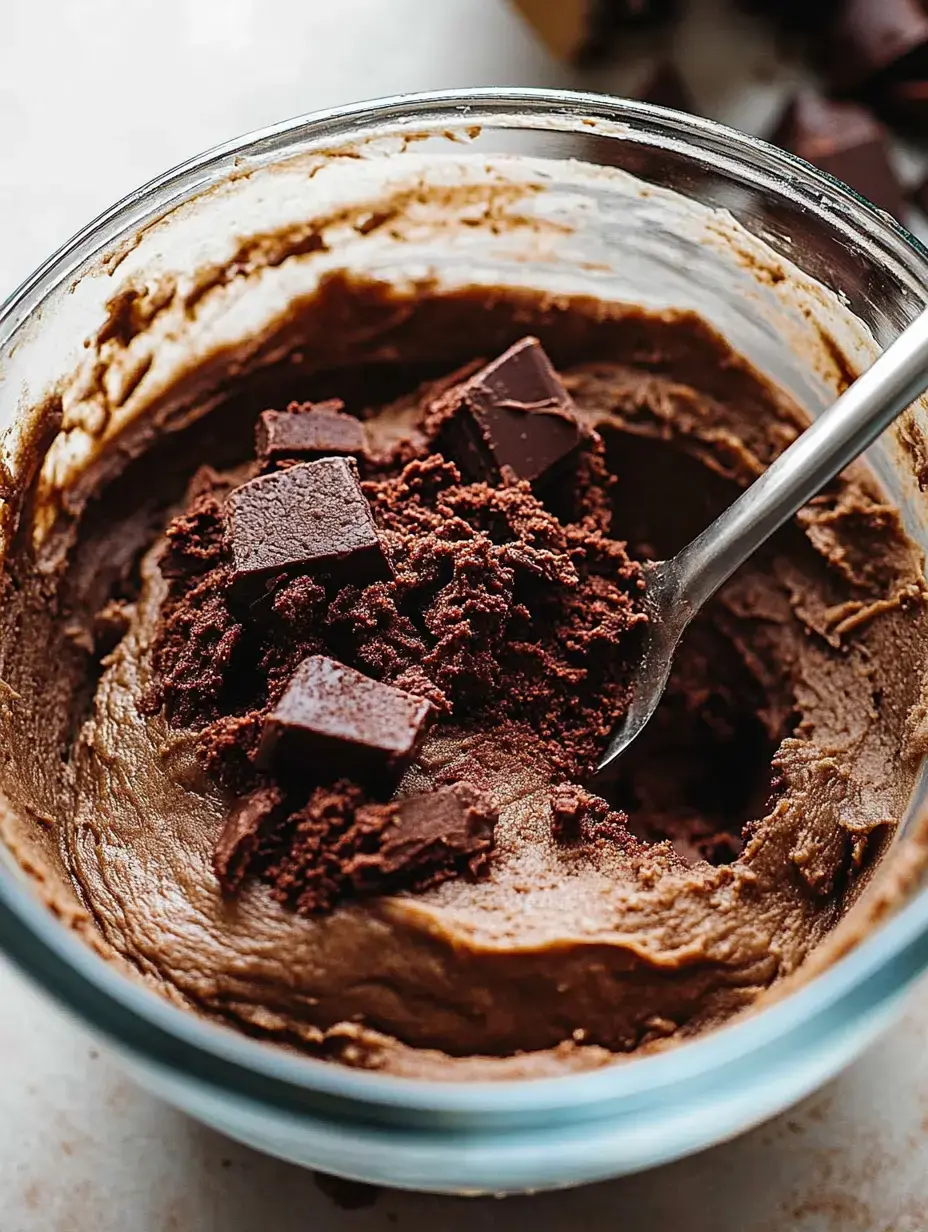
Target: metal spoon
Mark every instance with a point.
(678, 588)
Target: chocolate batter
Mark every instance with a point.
(564, 929)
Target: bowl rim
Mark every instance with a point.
(145, 1024)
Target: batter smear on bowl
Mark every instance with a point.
(373, 622)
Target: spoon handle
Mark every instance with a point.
(835, 438)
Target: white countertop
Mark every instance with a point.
(97, 96)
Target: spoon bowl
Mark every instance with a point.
(667, 617)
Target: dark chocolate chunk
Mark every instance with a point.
(609, 21)
(869, 39)
(424, 839)
(623, 14)
(919, 195)
(845, 140)
(665, 87)
(308, 430)
(589, 29)
(312, 516)
(513, 413)
(331, 720)
(241, 832)
(793, 16)
(905, 104)
(573, 807)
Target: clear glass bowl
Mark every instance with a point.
(804, 277)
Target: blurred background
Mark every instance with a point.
(98, 96)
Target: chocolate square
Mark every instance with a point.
(308, 430)
(513, 413)
(845, 140)
(589, 29)
(905, 104)
(919, 195)
(426, 838)
(793, 16)
(241, 833)
(666, 87)
(312, 516)
(871, 39)
(331, 720)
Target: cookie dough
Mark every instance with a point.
(738, 831)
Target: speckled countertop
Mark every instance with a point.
(95, 98)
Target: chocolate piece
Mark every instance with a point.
(617, 16)
(308, 430)
(239, 839)
(425, 839)
(919, 196)
(793, 16)
(333, 720)
(845, 140)
(339, 845)
(514, 412)
(588, 29)
(666, 88)
(868, 39)
(573, 809)
(310, 516)
(905, 103)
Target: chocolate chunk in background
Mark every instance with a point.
(584, 30)
(308, 430)
(424, 839)
(331, 720)
(793, 16)
(241, 832)
(565, 25)
(847, 141)
(648, 11)
(311, 516)
(614, 19)
(904, 104)
(513, 413)
(870, 39)
(666, 87)
(919, 196)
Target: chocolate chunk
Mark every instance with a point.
(845, 140)
(588, 29)
(331, 720)
(642, 12)
(665, 87)
(919, 195)
(871, 39)
(514, 412)
(793, 16)
(905, 104)
(571, 807)
(425, 839)
(312, 516)
(305, 431)
(239, 839)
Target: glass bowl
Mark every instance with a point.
(573, 193)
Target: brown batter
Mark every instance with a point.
(772, 776)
